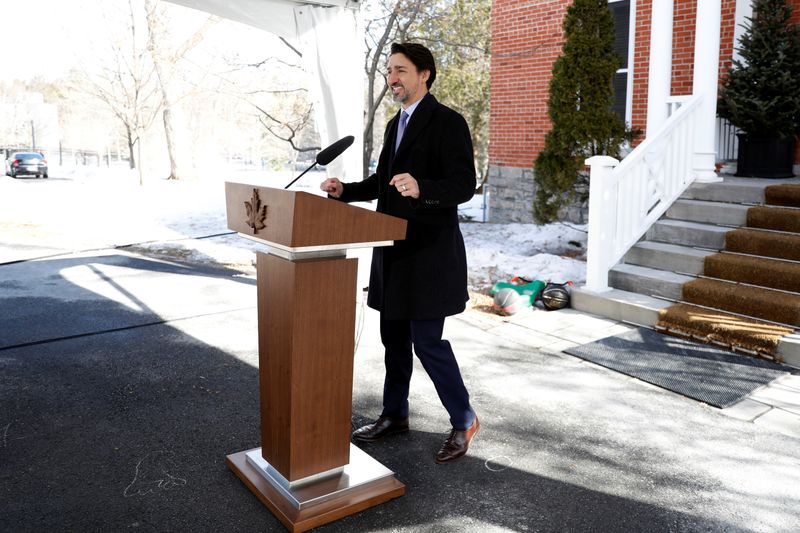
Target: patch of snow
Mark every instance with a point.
(82, 208)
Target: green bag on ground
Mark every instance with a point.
(531, 289)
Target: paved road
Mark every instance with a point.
(124, 382)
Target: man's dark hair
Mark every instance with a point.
(420, 56)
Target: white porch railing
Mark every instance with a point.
(725, 140)
(626, 198)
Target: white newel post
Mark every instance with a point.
(660, 69)
(704, 82)
(602, 221)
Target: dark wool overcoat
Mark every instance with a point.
(423, 277)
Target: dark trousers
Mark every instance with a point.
(438, 360)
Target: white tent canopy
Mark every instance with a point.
(328, 34)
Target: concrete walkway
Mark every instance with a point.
(776, 406)
(125, 380)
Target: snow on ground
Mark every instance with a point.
(87, 208)
(496, 252)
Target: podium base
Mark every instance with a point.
(303, 505)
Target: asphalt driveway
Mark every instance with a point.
(125, 381)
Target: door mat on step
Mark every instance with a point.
(763, 243)
(764, 272)
(767, 304)
(787, 194)
(698, 371)
(775, 218)
(711, 325)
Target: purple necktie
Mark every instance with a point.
(401, 128)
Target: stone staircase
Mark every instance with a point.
(652, 274)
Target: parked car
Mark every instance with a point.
(30, 163)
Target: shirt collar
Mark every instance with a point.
(410, 109)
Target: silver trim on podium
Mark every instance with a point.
(313, 252)
(313, 490)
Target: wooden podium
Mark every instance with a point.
(306, 471)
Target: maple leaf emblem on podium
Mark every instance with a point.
(256, 213)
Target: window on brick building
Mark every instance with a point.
(621, 10)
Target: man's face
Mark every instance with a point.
(405, 81)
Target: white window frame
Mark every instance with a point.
(629, 71)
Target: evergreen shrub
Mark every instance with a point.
(580, 109)
(761, 95)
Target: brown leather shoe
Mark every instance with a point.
(457, 443)
(382, 427)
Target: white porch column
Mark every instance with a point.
(660, 69)
(704, 81)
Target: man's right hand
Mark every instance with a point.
(333, 187)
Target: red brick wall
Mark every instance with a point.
(726, 44)
(683, 46)
(683, 42)
(641, 63)
(682, 51)
(526, 39)
(683, 26)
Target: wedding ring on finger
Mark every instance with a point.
(405, 188)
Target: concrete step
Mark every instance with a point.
(665, 256)
(648, 281)
(731, 189)
(643, 310)
(708, 212)
(688, 234)
(619, 305)
(649, 273)
(789, 350)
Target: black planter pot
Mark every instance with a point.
(765, 157)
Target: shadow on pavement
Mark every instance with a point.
(78, 295)
(107, 427)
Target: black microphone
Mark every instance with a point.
(327, 155)
(335, 150)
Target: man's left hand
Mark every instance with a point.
(406, 185)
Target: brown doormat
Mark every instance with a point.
(764, 272)
(764, 243)
(766, 304)
(787, 194)
(776, 218)
(717, 326)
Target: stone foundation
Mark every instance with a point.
(512, 191)
(511, 194)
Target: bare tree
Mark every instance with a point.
(458, 34)
(24, 122)
(390, 22)
(460, 38)
(125, 83)
(166, 63)
(289, 129)
(283, 108)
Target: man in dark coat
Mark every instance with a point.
(425, 170)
